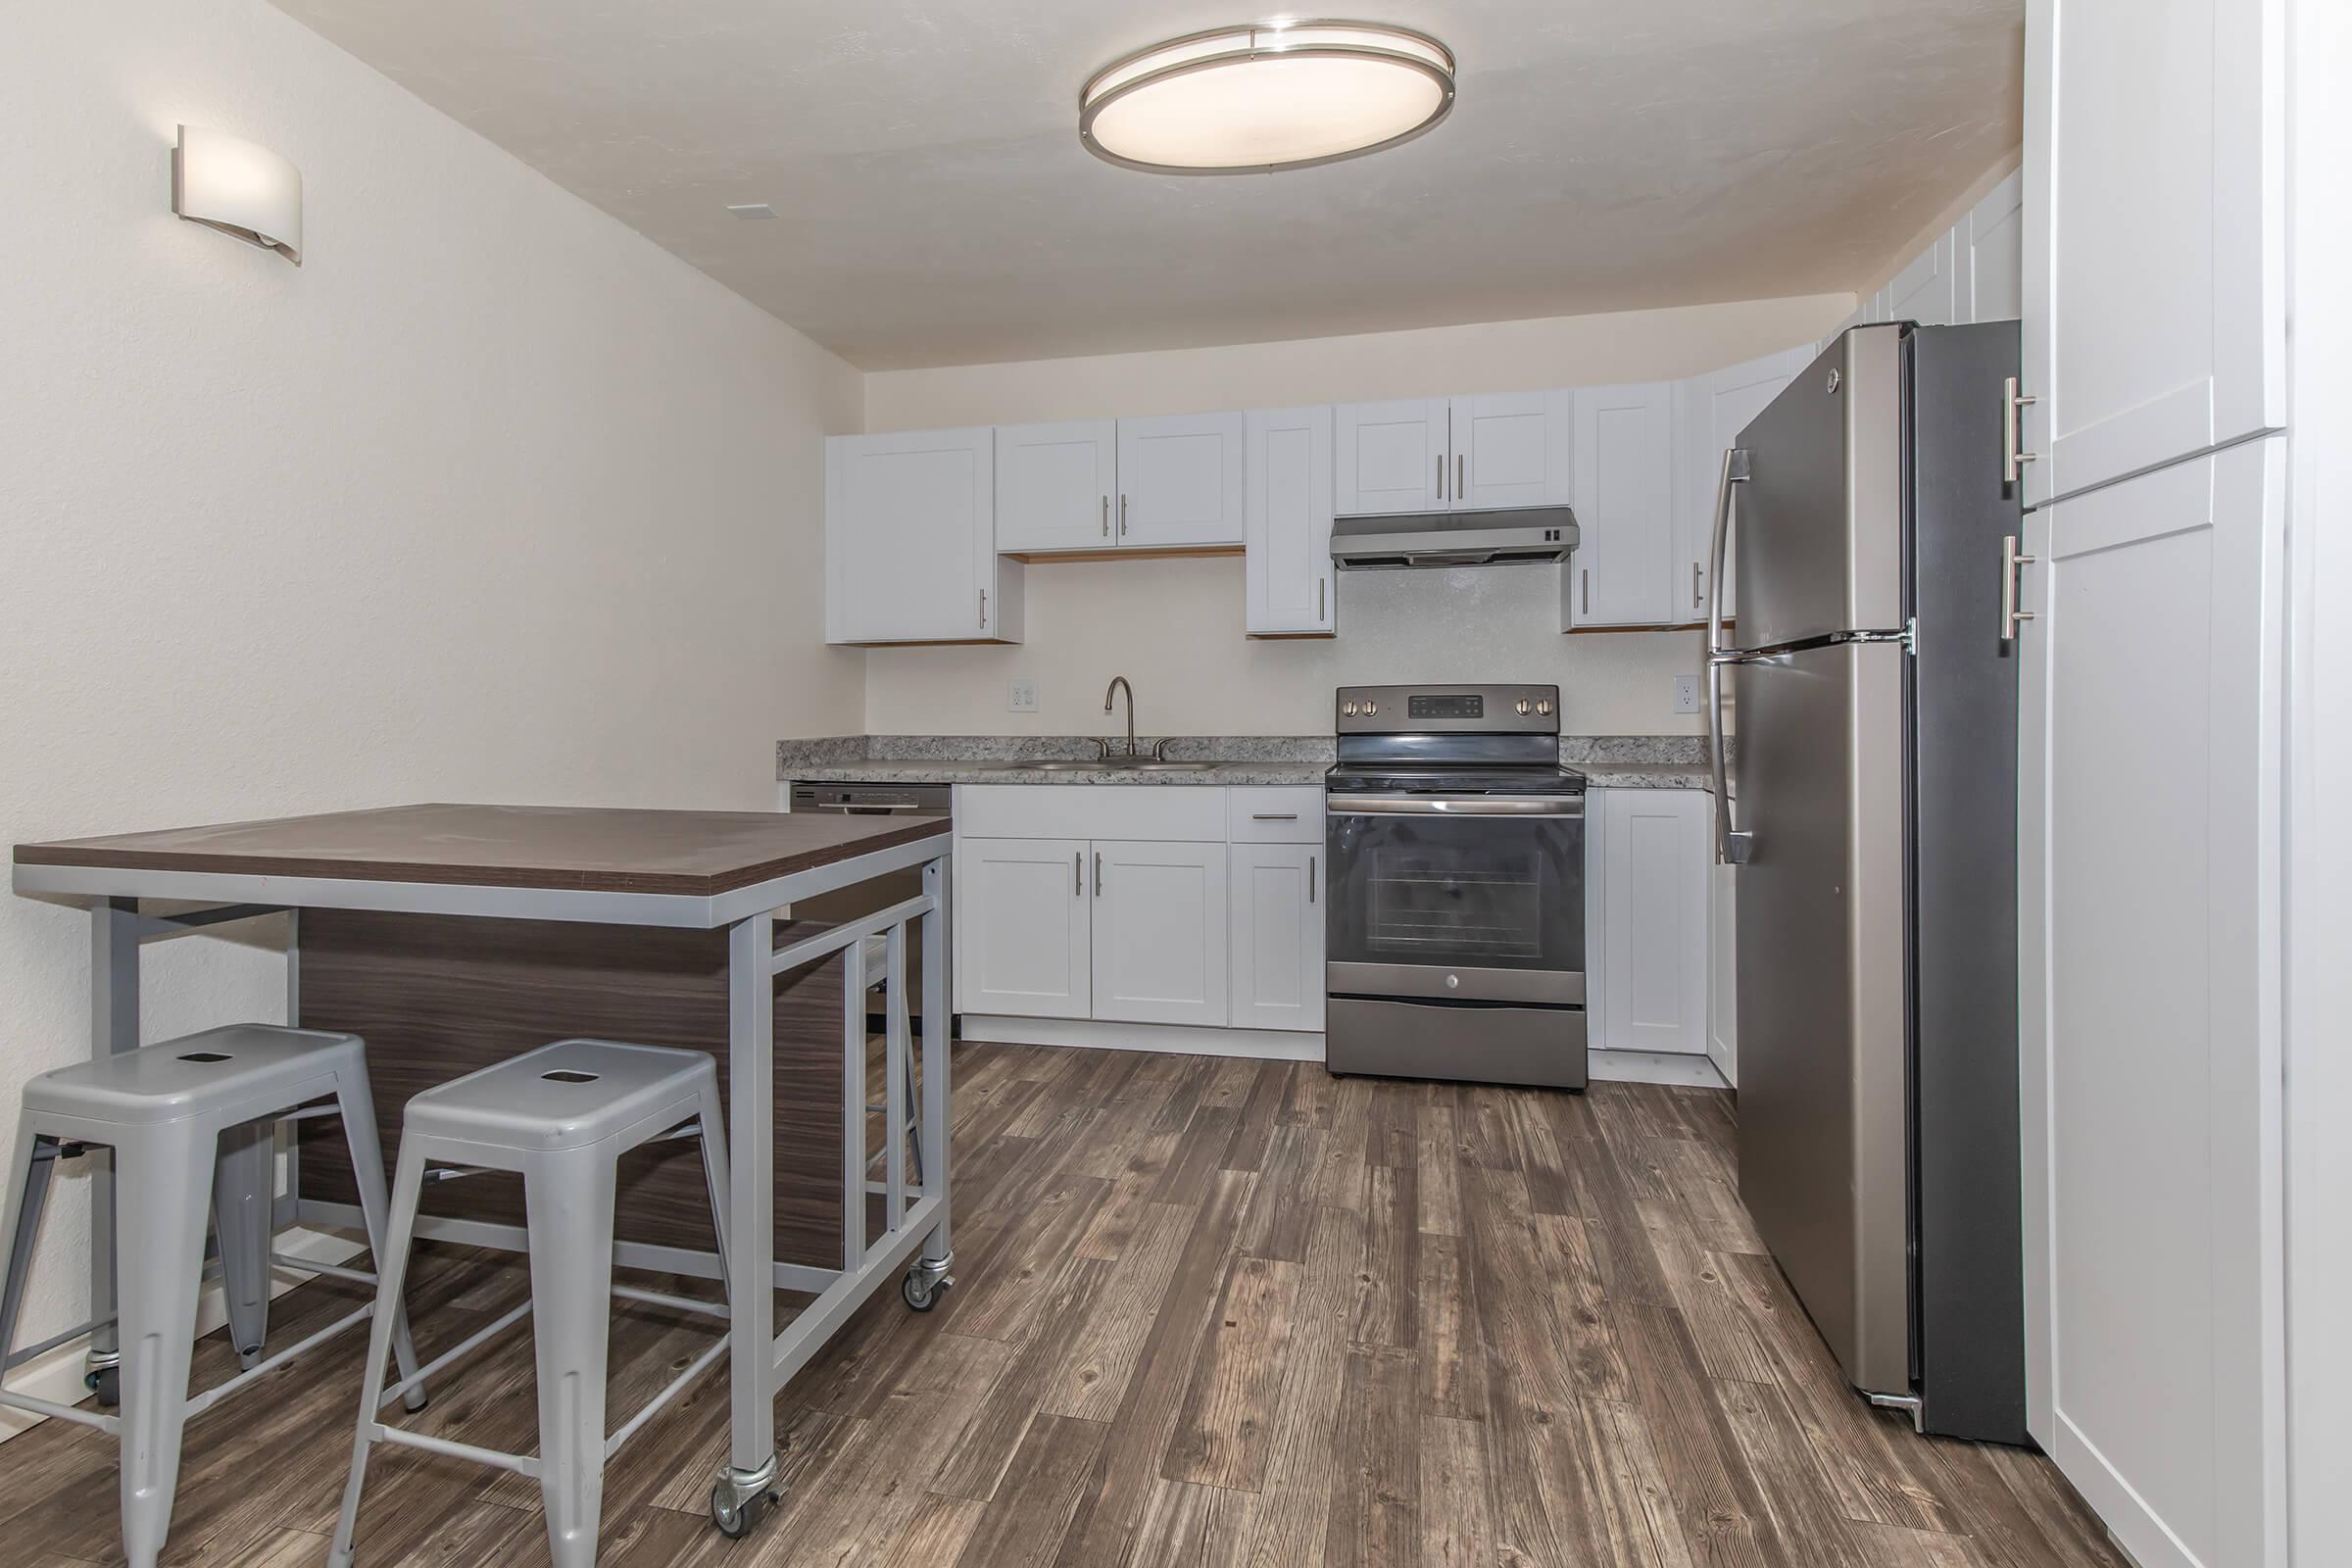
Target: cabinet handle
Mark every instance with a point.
(1106, 517)
(1441, 476)
(1311, 879)
(1320, 583)
(2013, 404)
(1097, 873)
(1122, 517)
(1584, 577)
(1459, 489)
(1273, 816)
(2012, 561)
(1698, 599)
(1078, 872)
(984, 608)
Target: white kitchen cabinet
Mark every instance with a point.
(2154, 233)
(1024, 937)
(1723, 963)
(1055, 484)
(1623, 570)
(1513, 449)
(1923, 290)
(2149, 1009)
(1180, 482)
(1277, 936)
(1394, 456)
(1159, 944)
(1647, 850)
(1710, 412)
(1290, 587)
(1988, 254)
(910, 551)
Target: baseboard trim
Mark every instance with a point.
(1187, 1040)
(1653, 1067)
(55, 1375)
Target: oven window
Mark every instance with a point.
(1494, 893)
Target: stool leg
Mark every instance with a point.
(391, 1277)
(28, 1178)
(159, 1228)
(367, 1171)
(713, 1122)
(244, 1171)
(569, 1212)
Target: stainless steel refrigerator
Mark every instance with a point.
(1872, 818)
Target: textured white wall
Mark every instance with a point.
(1175, 626)
(490, 499)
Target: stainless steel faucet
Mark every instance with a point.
(1118, 684)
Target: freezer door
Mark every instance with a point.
(1819, 541)
(1821, 976)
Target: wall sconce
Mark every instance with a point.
(238, 188)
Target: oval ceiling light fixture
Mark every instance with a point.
(1255, 99)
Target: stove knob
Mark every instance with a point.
(1543, 708)
(1370, 708)
(1522, 707)
(1348, 708)
(1454, 982)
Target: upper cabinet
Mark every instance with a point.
(1180, 482)
(910, 551)
(2154, 233)
(1291, 588)
(1710, 412)
(1055, 485)
(1394, 456)
(1924, 291)
(1622, 572)
(1511, 450)
(1988, 254)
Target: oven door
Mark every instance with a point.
(1461, 899)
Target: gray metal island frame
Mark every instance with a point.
(530, 868)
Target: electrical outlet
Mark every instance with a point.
(1024, 697)
(1685, 694)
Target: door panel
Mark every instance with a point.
(1711, 411)
(1054, 484)
(2150, 1021)
(1654, 865)
(1821, 972)
(1159, 947)
(1023, 942)
(1622, 572)
(1512, 450)
(1923, 290)
(910, 537)
(1291, 585)
(1277, 936)
(1989, 280)
(1180, 481)
(1394, 456)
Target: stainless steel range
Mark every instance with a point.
(1455, 923)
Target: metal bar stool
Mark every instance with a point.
(182, 1117)
(561, 1116)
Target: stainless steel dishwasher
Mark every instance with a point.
(874, 800)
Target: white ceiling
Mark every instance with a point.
(937, 209)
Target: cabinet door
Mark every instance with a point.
(2149, 1024)
(1723, 994)
(1291, 585)
(1513, 450)
(1392, 457)
(1654, 908)
(1159, 932)
(2155, 234)
(1277, 920)
(1710, 412)
(1023, 939)
(1180, 481)
(1988, 254)
(1922, 291)
(1623, 570)
(911, 540)
(1054, 485)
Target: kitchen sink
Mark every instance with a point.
(1100, 765)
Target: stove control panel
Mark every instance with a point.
(1448, 709)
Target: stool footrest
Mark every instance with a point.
(214, 1396)
(470, 1342)
(498, 1458)
(63, 1412)
(333, 1271)
(653, 1406)
(18, 1358)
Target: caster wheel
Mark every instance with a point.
(921, 1290)
(106, 1383)
(736, 1520)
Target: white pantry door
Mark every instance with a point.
(2149, 943)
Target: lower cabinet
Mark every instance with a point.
(1648, 862)
(1024, 936)
(1277, 936)
(1160, 933)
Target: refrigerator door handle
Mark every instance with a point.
(1732, 847)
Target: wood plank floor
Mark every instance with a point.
(1208, 1312)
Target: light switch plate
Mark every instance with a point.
(1024, 697)
(1685, 694)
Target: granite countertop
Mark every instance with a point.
(1607, 762)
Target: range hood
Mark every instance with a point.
(1499, 538)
